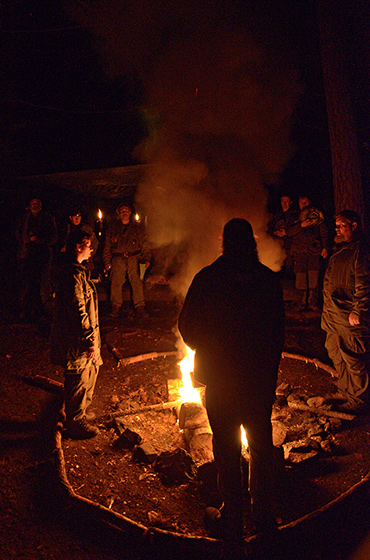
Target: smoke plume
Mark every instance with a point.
(220, 92)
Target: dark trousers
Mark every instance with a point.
(226, 413)
(351, 359)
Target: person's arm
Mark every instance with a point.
(361, 298)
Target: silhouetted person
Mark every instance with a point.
(75, 336)
(233, 317)
(346, 312)
(75, 223)
(36, 234)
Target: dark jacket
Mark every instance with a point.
(233, 316)
(347, 288)
(75, 325)
(308, 240)
(43, 227)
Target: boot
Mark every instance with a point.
(81, 429)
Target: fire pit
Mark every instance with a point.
(132, 483)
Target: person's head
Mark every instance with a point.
(238, 239)
(35, 206)
(347, 226)
(303, 202)
(78, 247)
(285, 202)
(75, 217)
(124, 213)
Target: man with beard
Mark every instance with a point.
(346, 313)
(233, 317)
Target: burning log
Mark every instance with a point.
(194, 421)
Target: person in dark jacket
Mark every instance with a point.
(233, 317)
(346, 313)
(75, 222)
(75, 336)
(36, 234)
(309, 243)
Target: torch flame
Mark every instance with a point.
(187, 392)
(100, 214)
(244, 437)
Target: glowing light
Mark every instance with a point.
(244, 437)
(100, 214)
(137, 217)
(187, 392)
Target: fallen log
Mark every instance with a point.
(314, 361)
(44, 383)
(323, 411)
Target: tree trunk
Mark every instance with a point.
(347, 178)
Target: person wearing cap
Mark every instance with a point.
(126, 246)
(75, 223)
(309, 244)
(346, 314)
(233, 317)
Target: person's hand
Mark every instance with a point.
(354, 319)
(324, 253)
(91, 354)
(280, 232)
(147, 264)
(306, 223)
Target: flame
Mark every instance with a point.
(244, 437)
(187, 392)
(137, 217)
(100, 214)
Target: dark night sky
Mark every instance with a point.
(70, 102)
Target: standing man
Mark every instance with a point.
(346, 312)
(75, 336)
(126, 245)
(233, 317)
(309, 243)
(36, 233)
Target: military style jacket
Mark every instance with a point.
(75, 327)
(126, 241)
(347, 288)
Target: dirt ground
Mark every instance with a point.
(100, 470)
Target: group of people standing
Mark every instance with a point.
(305, 239)
(233, 317)
(54, 273)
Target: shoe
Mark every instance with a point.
(115, 313)
(141, 312)
(81, 429)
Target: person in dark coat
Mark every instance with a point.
(309, 244)
(233, 317)
(346, 313)
(75, 336)
(36, 234)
